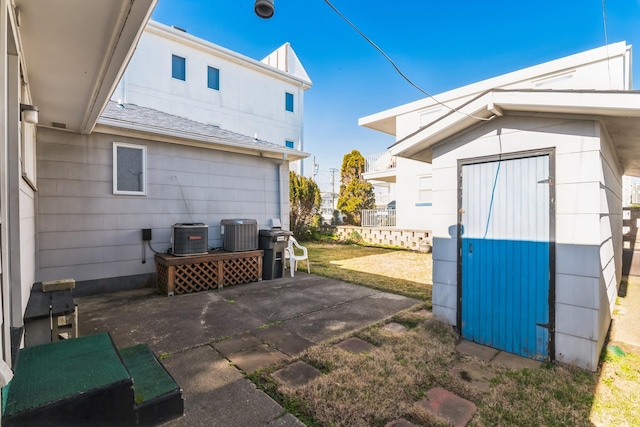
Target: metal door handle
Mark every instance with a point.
(470, 248)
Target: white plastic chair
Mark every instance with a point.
(290, 252)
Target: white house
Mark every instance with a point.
(527, 200)
(49, 51)
(186, 76)
(409, 181)
(79, 182)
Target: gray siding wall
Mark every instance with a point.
(87, 233)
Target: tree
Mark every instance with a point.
(356, 194)
(304, 201)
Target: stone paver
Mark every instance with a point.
(473, 376)
(395, 327)
(355, 345)
(297, 374)
(293, 345)
(400, 422)
(254, 358)
(515, 362)
(287, 420)
(480, 351)
(447, 405)
(236, 344)
(214, 388)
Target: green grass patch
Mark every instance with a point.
(404, 272)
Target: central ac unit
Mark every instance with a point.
(239, 234)
(189, 239)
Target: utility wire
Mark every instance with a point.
(403, 75)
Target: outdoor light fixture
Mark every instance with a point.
(29, 113)
(264, 8)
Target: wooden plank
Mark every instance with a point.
(168, 259)
(58, 285)
(171, 280)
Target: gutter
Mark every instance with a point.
(106, 125)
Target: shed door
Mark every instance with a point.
(505, 255)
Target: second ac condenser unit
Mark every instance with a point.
(239, 234)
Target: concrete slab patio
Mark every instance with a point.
(196, 336)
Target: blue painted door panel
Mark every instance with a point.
(505, 255)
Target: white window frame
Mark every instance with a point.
(424, 190)
(143, 148)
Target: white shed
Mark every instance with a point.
(527, 223)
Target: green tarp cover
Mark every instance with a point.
(50, 372)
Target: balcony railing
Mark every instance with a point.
(379, 162)
(378, 217)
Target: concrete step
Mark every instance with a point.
(157, 396)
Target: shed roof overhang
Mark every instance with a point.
(385, 121)
(619, 111)
(74, 53)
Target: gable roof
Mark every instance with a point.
(285, 59)
(143, 122)
(546, 75)
(619, 111)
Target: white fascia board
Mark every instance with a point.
(537, 71)
(162, 30)
(124, 45)
(116, 127)
(600, 103)
(498, 102)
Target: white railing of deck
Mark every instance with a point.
(378, 217)
(379, 162)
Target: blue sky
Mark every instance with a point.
(439, 45)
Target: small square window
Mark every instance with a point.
(129, 169)
(425, 189)
(288, 101)
(213, 78)
(178, 67)
(289, 144)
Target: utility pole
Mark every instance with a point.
(333, 189)
(316, 168)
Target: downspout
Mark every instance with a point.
(281, 190)
(301, 125)
(4, 189)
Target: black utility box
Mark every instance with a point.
(273, 242)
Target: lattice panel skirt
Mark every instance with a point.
(208, 272)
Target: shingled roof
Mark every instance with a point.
(142, 119)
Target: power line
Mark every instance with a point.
(403, 75)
